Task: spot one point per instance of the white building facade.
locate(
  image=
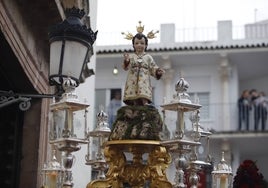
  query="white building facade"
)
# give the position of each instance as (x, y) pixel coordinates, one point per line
(217, 71)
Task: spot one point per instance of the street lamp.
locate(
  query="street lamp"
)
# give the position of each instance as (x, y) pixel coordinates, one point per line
(70, 48)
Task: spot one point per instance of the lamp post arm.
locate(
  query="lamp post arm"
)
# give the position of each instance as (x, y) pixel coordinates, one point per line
(9, 97)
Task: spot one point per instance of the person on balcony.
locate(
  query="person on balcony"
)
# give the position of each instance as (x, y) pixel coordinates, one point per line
(263, 103)
(255, 104)
(244, 108)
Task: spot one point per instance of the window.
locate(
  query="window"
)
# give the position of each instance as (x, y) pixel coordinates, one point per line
(103, 98)
(203, 98)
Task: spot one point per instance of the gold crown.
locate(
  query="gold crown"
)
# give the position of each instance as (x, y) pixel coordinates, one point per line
(140, 29)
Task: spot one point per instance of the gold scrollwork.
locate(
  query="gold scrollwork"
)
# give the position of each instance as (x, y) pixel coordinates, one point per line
(138, 171)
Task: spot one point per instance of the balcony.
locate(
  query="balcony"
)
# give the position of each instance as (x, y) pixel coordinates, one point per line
(224, 32)
(223, 118)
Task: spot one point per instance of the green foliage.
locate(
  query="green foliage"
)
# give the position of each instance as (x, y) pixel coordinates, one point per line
(137, 122)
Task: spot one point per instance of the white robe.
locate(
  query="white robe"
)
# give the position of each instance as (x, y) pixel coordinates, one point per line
(138, 83)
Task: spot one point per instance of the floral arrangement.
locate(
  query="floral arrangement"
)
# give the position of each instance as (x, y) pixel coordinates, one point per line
(248, 176)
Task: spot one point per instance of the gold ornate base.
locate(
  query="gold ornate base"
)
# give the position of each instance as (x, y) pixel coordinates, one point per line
(137, 171)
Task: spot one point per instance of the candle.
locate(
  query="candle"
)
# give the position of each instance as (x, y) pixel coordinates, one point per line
(52, 180)
(223, 181)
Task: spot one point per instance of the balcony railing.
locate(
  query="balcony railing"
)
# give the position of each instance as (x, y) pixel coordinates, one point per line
(220, 117)
(186, 35)
(196, 34)
(224, 117)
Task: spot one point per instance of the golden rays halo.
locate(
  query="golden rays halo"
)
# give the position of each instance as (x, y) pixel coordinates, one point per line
(140, 29)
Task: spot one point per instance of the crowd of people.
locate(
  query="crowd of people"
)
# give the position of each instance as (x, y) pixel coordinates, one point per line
(252, 104)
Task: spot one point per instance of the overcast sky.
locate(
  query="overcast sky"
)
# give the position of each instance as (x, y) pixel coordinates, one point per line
(123, 15)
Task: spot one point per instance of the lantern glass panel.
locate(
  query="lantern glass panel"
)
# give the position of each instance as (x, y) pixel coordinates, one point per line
(55, 54)
(74, 57)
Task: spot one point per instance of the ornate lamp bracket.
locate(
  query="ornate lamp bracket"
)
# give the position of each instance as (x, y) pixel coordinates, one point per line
(9, 97)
